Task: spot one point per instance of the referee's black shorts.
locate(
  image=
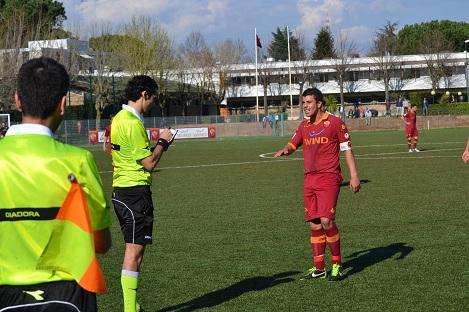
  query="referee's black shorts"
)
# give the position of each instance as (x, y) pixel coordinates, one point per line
(134, 209)
(61, 296)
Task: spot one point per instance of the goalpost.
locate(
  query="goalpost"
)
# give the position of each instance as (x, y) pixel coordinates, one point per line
(4, 124)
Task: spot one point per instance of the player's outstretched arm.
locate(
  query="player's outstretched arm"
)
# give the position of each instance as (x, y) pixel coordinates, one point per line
(465, 154)
(284, 151)
(351, 164)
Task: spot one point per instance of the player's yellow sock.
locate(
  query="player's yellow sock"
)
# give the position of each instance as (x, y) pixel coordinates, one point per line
(129, 281)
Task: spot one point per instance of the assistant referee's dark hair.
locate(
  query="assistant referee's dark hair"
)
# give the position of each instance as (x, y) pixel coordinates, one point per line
(316, 93)
(137, 85)
(42, 83)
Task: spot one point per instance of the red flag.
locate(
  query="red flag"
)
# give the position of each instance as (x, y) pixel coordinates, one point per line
(258, 42)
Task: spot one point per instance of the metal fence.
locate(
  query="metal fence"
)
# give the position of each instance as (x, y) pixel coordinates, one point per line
(76, 131)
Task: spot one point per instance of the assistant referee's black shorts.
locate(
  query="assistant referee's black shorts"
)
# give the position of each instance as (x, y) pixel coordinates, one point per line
(134, 209)
(62, 296)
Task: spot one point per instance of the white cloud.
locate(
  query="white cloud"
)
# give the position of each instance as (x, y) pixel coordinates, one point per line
(386, 6)
(314, 14)
(178, 16)
(117, 10)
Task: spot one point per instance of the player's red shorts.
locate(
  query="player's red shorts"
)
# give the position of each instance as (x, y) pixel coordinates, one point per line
(411, 132)
(320, 194)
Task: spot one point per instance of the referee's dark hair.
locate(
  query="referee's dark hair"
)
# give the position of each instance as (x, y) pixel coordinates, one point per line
(137, 85)
(316, 93)
(42, 83)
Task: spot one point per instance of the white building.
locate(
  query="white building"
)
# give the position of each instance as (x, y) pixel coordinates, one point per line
(409, 73)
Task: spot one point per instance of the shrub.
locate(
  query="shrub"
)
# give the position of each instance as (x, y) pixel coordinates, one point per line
(331, 103)
(461, 108)
(445, 99)
(415, 98)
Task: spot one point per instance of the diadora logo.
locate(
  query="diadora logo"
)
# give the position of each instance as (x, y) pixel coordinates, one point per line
(22, 214)
(38, 294)
(317, 140)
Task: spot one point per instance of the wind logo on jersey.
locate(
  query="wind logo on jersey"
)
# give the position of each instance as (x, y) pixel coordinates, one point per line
(316, 140)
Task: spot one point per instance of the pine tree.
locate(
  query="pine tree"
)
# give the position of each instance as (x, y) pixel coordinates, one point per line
(278, 48)
(323, 44)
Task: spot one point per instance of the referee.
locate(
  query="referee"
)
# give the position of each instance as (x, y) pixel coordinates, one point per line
(133, 160)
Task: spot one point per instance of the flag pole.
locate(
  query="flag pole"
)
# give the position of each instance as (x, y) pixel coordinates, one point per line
(289, 72)
(257, 79)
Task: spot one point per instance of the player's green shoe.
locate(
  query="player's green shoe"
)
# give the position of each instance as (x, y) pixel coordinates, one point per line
(337, 273)
(313, 273)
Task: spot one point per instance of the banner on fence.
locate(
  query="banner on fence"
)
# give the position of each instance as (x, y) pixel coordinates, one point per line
(195, 133)
(95, 137)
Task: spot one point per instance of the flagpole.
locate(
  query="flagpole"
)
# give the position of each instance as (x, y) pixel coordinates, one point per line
(257, 79)
(289, 72)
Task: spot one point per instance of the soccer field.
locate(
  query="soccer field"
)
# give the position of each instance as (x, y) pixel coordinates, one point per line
(229, 233)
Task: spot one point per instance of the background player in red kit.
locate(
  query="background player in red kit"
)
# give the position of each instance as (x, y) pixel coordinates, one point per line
(322, 136)
(411, 132)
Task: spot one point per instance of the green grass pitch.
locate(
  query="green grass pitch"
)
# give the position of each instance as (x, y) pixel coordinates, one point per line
(229, 233)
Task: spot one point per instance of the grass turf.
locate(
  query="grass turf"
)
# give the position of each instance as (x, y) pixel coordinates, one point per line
(229, 233)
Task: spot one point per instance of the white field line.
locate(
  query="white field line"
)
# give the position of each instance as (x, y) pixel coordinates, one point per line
(222, 164)
(373, 154)
(358, 156)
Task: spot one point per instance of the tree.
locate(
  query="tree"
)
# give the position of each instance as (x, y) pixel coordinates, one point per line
(145, 48)
(20, 22)
(436, 49)
(225, 54)
(105, 62)
(304, 73)
(40, 18)
(410, 36)
(278, 48)
(198, 56)
(323, 44)
(344, 50)
(383, 54)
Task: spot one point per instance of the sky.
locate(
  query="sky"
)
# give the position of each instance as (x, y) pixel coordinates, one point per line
(218, 20)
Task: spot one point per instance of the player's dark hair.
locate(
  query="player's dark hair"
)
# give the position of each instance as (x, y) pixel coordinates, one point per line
(137, 85)
(42, 83)
(316, 93)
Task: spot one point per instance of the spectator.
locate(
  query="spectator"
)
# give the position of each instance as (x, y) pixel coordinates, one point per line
(368, 116)
(399, 107)
(405, 104)
(425, 106)
(350, 113)
(3, 129)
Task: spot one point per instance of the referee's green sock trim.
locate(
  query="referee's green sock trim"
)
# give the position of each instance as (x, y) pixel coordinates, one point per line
(129, 281)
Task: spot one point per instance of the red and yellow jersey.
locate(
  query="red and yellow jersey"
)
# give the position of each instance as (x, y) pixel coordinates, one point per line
(410, 119)
(321, 141)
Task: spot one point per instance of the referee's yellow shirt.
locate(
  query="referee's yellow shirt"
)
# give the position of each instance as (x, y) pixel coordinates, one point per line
(34, 169)
(130, 145)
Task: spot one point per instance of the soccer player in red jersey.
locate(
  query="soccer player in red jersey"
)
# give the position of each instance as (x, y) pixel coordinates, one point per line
(323, 136)
(411, 132)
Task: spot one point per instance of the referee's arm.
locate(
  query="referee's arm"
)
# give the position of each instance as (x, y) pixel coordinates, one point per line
(150, 162)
